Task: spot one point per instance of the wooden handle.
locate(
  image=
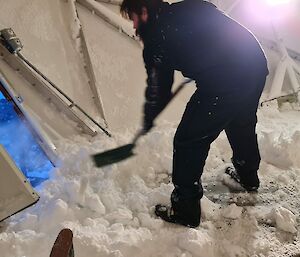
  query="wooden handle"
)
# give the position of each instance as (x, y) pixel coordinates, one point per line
(63, 245)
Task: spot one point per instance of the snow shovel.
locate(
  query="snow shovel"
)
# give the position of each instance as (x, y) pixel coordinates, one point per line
(123, 152)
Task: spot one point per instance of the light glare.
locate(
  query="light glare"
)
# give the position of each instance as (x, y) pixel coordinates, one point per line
(277, 2)
(263, 11)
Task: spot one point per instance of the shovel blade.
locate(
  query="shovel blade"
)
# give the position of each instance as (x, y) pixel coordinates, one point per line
(113, 156)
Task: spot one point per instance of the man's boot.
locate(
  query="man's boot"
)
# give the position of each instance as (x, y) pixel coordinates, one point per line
(185, 212)
(249, 183)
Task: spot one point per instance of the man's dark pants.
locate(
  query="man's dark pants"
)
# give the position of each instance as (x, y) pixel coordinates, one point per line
(206, 115)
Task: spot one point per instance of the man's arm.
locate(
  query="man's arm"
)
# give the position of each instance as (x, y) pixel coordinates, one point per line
(159, 83)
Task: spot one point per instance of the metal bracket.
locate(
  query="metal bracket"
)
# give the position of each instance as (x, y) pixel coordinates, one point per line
(10, 40)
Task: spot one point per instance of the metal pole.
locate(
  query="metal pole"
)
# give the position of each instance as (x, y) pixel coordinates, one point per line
(60, 91)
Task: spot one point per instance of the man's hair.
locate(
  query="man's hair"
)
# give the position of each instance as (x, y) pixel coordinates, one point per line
(129, 6)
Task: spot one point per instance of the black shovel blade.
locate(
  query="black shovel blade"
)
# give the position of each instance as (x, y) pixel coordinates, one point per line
(114, 155)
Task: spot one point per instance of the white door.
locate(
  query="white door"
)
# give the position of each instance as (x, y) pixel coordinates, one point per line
(16, 192)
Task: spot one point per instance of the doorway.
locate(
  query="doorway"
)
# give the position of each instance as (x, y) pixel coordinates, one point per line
(18, 139)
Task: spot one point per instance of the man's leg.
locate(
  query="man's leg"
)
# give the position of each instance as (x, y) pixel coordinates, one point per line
(241, 133)
(188, 163)
(204, 118)
(246, 158)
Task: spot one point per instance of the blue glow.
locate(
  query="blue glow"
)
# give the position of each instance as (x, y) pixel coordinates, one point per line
(18, 141)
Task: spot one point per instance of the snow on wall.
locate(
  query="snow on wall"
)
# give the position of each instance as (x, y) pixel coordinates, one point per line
(118, 68)
(48, 44)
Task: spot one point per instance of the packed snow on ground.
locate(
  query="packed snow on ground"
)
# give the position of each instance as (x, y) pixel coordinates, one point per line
(110, 209)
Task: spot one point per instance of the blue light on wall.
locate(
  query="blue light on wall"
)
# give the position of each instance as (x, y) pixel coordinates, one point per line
(19, 142)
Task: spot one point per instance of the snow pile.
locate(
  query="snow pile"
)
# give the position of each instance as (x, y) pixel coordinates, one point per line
(232, 212)
(280, 140)
(209, 209)
(198, 243)
(285, 219)
(110, 210)
(281, 152)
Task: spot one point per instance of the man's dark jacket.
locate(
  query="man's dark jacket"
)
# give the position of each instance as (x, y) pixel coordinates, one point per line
(196, 38)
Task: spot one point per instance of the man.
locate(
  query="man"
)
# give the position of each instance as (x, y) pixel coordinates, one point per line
(229, 68)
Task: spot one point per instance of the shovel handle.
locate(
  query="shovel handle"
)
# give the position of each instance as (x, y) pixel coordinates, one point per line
(176, 91)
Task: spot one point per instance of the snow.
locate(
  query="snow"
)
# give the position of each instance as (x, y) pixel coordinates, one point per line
(46, 29)
(285, 219)
(232, 211)
(111, 210)
(109, 15)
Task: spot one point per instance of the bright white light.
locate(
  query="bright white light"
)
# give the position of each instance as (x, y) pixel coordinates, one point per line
(263, 11)
(277, 2)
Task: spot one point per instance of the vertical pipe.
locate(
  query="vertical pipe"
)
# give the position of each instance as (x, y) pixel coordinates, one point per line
(278, 79)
